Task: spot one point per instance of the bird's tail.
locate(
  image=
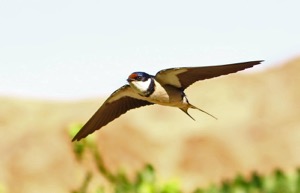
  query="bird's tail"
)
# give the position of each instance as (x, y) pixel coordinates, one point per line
(185, 110)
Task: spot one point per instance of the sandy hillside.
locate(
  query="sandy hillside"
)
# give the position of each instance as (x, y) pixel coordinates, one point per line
(258, 128)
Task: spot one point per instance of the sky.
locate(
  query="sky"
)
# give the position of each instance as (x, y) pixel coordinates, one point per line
(75, 49)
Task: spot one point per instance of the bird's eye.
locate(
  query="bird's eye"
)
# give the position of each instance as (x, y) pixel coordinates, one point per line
(139, 78)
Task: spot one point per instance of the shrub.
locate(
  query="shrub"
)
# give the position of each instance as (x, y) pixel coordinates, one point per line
(145, 181)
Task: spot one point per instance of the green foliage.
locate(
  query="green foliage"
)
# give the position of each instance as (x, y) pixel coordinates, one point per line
(3, 188)
(145, 181)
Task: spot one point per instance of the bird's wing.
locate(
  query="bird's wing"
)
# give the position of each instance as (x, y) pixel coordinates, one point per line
(185, 76)
(117, 104)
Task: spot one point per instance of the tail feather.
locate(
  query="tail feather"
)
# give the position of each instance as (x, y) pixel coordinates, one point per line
(193, 107)
(185, 110)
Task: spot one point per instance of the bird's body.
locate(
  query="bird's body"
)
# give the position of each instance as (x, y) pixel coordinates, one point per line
(163, 95)
(165, 88)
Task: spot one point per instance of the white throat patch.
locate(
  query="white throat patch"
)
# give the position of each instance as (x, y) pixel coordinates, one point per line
(140, 86)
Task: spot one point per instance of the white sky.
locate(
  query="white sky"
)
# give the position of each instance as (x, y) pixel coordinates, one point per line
(62, 49)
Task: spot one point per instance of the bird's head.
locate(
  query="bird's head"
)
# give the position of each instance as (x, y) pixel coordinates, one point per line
(141, 82)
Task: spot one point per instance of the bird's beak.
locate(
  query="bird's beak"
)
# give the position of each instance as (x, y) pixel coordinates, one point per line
(130, 80)
(132, 77)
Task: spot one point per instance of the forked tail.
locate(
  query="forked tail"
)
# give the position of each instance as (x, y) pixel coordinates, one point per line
(185, 110)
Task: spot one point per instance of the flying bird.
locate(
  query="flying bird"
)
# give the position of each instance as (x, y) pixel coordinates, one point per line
(165, 88)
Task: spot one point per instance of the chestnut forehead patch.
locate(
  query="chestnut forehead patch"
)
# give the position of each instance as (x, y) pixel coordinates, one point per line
(133, 75)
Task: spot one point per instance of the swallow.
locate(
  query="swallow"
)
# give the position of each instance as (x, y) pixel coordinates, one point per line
(165, 88)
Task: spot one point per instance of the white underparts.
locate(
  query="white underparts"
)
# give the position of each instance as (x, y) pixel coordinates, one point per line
(140, 86)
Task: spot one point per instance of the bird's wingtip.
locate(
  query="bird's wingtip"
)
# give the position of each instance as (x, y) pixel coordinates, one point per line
(258, 61)
(74, 139)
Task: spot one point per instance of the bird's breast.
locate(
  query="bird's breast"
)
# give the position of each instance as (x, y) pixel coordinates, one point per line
(166, 95)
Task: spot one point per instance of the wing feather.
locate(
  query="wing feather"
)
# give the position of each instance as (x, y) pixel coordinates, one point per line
(121, 101)
(184, 77)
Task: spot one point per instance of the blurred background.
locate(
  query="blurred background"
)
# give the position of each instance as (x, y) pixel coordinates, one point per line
(59, 60)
